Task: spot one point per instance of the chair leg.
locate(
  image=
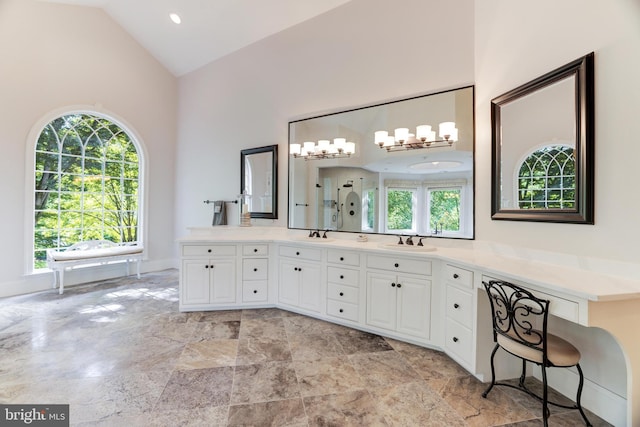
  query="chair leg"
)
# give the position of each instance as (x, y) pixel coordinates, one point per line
(523, 376)
(493, 373)
(545, 397)
(579, 396)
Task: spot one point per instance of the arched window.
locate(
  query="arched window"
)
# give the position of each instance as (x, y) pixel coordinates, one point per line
(547, 179)
(87, 180)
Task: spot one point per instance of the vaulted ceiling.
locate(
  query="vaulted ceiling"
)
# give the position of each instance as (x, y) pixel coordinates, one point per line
(209, 29)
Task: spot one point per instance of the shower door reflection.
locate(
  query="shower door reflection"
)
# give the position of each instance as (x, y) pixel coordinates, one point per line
(347, 199)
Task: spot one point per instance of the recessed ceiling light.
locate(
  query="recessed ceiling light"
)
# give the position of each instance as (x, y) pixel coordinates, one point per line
(175, 18)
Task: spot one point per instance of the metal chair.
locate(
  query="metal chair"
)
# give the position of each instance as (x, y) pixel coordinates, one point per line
(520, 328)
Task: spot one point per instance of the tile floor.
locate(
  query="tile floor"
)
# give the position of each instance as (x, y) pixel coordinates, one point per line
(121, 354)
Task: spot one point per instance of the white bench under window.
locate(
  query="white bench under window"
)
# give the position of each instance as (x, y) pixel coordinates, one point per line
(91, 252)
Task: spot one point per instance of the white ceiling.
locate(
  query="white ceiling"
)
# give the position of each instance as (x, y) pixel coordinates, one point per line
(209, 30)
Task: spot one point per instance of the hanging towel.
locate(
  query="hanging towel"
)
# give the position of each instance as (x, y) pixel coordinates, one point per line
(219, 213)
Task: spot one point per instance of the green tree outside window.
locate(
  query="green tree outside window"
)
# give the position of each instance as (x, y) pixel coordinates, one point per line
(86, 184)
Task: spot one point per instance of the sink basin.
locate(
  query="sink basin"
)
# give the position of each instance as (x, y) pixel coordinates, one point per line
(314, 239)
(407, 248)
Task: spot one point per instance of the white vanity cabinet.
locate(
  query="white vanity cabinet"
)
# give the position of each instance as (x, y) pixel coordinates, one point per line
(208, 275)
(300, 278)
(343, 285)
(255, 273)
(459, 339)
(399, 295)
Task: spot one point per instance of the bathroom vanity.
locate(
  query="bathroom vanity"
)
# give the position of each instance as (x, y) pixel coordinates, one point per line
(429, 296)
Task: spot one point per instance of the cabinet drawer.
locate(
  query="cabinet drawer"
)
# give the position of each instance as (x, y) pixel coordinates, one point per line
(248, 250)
(343, 276)
(301, 253)
(254, 291)
(459, 340)
(343, 293)
(399, 264)
(255, 269)
(208, 250)
(341, 257)
(459, 306)
(343, 310)
(458, 275)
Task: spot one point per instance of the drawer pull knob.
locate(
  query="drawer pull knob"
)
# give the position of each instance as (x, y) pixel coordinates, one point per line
(341, 310)
(397, 265)
(255, 291)
(341, 294)
(295, 268)
(209, 250)
(297, 253)
(456, 305)
(255, 250)
(341, 258)
(399, 285)
(342, 276)
(255, 269)
(393, 285)
(455, 339)
(455, 275)
(206, 266)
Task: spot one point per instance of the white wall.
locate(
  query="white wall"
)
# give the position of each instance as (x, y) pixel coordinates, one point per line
(516, 42)
(55, 56)
(364, 52)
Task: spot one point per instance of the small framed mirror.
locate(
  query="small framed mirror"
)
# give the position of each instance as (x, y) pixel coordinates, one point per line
(258, 180)
(543, 147)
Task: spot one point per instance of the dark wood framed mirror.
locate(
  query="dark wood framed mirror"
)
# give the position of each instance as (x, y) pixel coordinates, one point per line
(259, 180)
(543, 147)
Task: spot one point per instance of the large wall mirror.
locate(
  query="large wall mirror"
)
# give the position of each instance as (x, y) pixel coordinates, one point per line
(380, 169)
(258, 180)
(543, 147)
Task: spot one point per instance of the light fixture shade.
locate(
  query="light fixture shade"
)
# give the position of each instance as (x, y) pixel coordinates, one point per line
(294, 149)
(448, 131)
(339, 143)
(380, 137)
(332, 149)
(323, 145)
(423, 132)
(309, 147)
(350, 147)
(175, 18)
(401, 134)
(390, 142)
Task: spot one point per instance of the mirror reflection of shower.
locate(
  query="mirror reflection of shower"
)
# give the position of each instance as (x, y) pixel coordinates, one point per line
(341, 198)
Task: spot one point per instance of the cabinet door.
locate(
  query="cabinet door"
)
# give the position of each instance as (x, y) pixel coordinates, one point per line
(288, 291)
(414, 306)
(223, 281)
(309, 275)
(381, 300)
(195, 281)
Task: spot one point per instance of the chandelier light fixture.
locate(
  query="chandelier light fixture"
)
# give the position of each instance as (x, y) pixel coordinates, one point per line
(324, 149)
(402, 140)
